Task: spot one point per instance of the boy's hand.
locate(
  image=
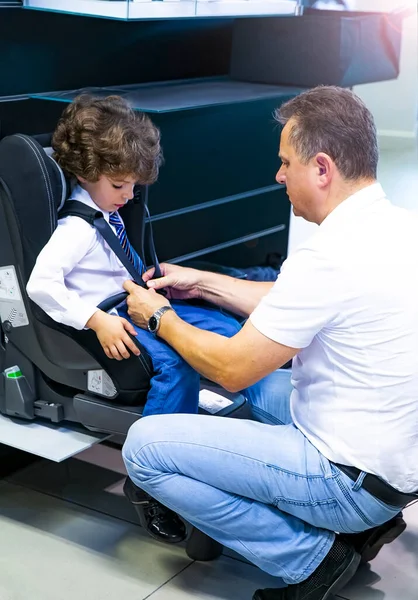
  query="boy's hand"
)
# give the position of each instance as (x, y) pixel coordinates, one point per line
(111, 332)
(142, 304)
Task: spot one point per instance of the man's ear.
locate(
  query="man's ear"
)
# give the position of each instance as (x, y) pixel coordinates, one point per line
(323, 164)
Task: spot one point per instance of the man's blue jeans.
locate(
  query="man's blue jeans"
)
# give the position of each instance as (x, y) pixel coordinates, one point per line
(260, 488)
(175, 385)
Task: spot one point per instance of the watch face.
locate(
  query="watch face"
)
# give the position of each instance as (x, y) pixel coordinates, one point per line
(152, 323)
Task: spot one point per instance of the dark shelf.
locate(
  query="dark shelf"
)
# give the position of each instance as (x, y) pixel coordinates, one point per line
(187, 94)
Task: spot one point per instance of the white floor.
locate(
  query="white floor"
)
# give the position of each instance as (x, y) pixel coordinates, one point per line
(54, 550)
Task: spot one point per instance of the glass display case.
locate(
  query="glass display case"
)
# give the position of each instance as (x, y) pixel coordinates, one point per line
(167, 9)
(180, 95)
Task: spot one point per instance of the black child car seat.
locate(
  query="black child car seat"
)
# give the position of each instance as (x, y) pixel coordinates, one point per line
(47, 369)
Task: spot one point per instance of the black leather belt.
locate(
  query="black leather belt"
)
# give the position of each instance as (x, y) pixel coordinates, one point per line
(379, 488)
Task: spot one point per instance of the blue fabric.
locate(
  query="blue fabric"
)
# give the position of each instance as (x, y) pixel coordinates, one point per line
(258, 487)
(261, 273)
(257, 273)
(116, 221)
(175, 385)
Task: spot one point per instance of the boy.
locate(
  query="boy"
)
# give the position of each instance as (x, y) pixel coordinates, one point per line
(107, 148)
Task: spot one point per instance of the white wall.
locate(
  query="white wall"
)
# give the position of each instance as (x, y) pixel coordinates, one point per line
(394, 104)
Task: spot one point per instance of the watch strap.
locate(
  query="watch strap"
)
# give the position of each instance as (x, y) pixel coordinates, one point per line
(157, 316)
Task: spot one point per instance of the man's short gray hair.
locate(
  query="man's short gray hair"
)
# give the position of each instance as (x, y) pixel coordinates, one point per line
(335, 121)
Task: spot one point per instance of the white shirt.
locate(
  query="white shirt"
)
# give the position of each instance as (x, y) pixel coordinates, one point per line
(76, 270)
(348, 297)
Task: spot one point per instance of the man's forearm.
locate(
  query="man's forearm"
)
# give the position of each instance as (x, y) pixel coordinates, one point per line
(237, 295)
(234, 363)
(205, 351)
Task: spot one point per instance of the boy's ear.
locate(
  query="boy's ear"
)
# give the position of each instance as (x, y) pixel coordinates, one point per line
(81, 179)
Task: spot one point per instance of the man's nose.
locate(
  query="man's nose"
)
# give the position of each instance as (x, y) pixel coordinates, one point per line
(281, 177)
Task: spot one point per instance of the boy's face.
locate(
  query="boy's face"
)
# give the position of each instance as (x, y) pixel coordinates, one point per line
(110, 193)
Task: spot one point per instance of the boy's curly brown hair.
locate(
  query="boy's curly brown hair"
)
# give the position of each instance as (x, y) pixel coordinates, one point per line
(104, 136)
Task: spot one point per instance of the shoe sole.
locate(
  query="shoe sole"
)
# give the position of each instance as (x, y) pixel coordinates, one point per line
(372, 549)
(344, 578)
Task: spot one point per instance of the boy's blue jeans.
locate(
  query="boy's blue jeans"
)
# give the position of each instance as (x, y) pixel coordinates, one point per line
(260, 488)
(175, 385)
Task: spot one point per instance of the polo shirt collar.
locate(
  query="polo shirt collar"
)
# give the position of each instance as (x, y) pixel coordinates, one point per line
(358, 201)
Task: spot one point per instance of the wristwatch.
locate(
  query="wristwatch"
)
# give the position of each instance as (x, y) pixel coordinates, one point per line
(154, 321)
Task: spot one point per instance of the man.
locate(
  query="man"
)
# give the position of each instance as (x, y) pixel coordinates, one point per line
(342, 454)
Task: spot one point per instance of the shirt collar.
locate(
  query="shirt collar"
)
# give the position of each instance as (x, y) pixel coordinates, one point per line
(83, 196)
(359, 201)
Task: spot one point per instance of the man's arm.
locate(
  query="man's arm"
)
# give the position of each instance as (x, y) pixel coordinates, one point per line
(234, 363)
(237, 295)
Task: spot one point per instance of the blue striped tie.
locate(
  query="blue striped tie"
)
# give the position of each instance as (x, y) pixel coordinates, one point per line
(116, 221)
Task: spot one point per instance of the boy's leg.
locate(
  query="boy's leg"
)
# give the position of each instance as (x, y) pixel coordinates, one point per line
(269, 398)
(174, 385)
(174, 388)
(207, 318)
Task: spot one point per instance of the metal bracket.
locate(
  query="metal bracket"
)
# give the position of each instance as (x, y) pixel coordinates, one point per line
(51, 411)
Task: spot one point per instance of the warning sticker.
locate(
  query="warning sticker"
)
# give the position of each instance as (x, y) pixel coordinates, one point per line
(12, 307)
(99, 382)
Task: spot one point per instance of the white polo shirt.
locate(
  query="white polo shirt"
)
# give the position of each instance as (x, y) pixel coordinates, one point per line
(348, 297)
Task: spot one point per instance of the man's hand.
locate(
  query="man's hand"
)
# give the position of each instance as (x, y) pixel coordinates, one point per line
(142, 304)
(181, 283)
(111, 332)
(236, 295)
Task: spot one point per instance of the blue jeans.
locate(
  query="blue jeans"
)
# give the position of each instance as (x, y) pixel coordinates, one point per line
(175, 385)
(260, 488)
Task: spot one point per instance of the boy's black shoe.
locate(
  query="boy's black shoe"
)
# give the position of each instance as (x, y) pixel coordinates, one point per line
(160, 522)
(335, 571)
(369, 543)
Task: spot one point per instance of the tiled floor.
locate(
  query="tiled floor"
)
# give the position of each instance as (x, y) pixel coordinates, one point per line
(55, 550)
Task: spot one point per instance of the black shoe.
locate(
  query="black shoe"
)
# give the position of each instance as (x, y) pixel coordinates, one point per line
(333, 573)
(369, 543)
(160, 522)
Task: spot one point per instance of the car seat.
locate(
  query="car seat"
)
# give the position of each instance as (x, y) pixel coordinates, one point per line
(50, 370)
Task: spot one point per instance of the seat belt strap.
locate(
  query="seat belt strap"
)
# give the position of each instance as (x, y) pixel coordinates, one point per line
(96, 219)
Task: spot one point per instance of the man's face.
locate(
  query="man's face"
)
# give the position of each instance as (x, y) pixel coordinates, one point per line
(299, 179)
(110, 194)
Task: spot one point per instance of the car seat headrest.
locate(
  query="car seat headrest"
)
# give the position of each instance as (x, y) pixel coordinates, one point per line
(66, 187)
(34, 187)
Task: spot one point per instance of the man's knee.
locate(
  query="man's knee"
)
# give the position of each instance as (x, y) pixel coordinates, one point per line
(149, 443)
(141, 434)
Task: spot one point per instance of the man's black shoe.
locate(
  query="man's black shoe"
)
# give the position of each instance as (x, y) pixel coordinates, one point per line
(335, 571)
(369, 543)
(160, 522)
